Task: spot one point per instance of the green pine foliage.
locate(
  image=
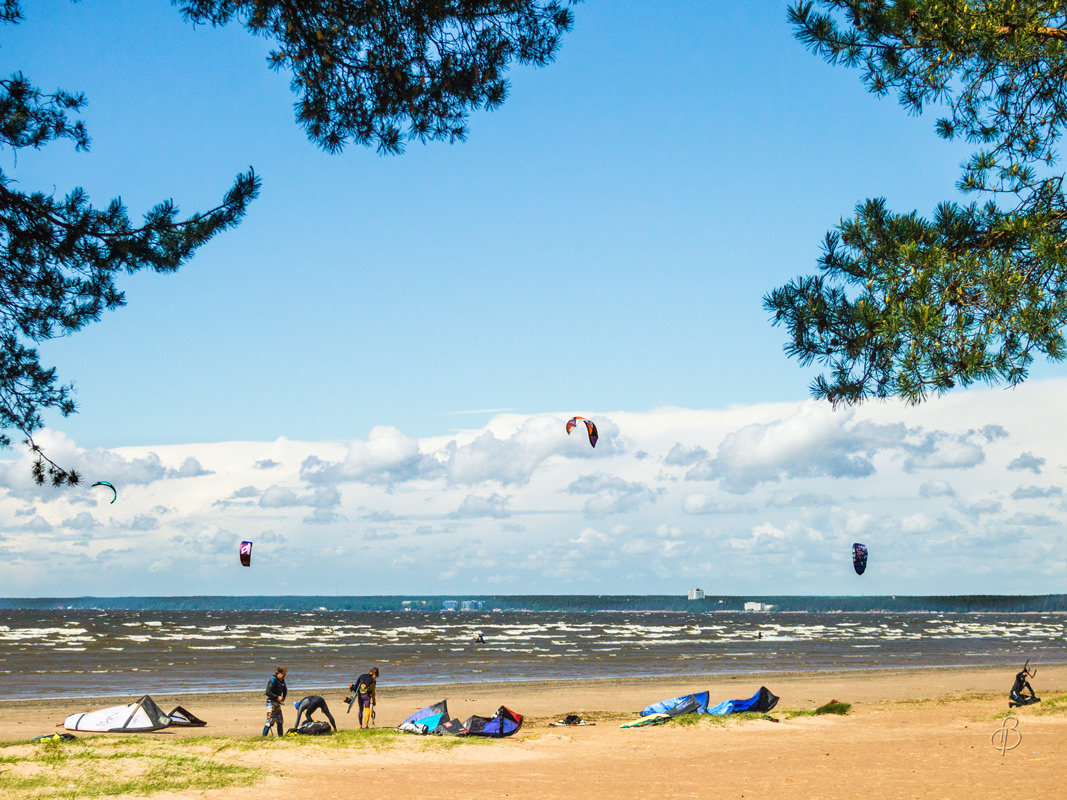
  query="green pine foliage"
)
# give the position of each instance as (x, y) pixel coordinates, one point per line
(384, 71)
(374, 72)
(905, 306)
(60, 257)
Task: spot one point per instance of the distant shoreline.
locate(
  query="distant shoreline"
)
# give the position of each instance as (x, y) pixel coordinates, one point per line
(486, 604)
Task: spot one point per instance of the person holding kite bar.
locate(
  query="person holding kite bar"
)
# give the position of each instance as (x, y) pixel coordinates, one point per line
(364, 691)
(1018, 695)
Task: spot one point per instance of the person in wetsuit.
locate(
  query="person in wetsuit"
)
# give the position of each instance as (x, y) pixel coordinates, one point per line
(1016, 696)
(313, 703)
(276, 691)
(365, 688)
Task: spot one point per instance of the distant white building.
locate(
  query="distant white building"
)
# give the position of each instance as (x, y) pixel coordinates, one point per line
(472, 605)
(696, 594)
(450, 605)
(758, 607)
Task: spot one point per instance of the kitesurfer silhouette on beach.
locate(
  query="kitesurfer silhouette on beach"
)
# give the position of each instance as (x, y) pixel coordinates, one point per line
(1016, 696)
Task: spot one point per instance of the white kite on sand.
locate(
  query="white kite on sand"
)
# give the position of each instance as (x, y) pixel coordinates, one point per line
(144, 715)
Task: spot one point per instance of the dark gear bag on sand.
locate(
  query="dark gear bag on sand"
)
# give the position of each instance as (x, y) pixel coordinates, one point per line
(314, 728)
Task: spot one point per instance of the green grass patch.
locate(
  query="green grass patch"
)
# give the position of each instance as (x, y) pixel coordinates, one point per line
(374, 738)
(348, 740)
(91, 769)
(1052, 705)
(107, 766)
(833, 707)
(1056, 704)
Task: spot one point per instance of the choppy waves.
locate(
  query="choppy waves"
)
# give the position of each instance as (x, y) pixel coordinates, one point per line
(79, 653)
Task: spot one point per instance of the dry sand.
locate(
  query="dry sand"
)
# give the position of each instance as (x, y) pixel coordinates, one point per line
(911, 734)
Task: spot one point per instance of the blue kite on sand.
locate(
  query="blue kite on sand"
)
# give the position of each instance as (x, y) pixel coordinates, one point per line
(676, 706)
(427, 720)
(435, 719)
(761, 702)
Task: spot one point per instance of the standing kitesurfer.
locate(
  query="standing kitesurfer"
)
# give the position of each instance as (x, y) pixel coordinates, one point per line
(365, 689)
(313, 703)
(275, 692)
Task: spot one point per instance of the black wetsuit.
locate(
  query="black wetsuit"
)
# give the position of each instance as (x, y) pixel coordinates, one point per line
(1016, 696)
(365, 693)
(313, 703)
(276, 691)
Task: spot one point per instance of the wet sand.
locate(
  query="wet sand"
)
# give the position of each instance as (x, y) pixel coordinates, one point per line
(910, 734)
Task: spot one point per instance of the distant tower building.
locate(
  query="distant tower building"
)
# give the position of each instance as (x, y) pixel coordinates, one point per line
(696, 594)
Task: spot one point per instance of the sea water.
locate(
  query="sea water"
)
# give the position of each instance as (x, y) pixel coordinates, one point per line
(79, 653)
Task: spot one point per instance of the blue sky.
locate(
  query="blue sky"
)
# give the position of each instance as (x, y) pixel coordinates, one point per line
(601, 245)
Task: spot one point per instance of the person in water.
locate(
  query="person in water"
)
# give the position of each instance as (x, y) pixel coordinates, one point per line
(275, 692)
(365, 688)
(1016, 696)
(313, 703)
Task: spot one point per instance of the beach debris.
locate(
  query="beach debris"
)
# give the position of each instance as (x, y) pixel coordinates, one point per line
(833, 707)
(54, 737)
(315, 727)
(143, 715)
(651, 719)
(859, 557)
(572, 423)
(114, 491)
(245, 554)
(570, 719)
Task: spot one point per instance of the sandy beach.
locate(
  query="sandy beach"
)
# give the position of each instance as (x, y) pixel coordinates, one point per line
(910, 734)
